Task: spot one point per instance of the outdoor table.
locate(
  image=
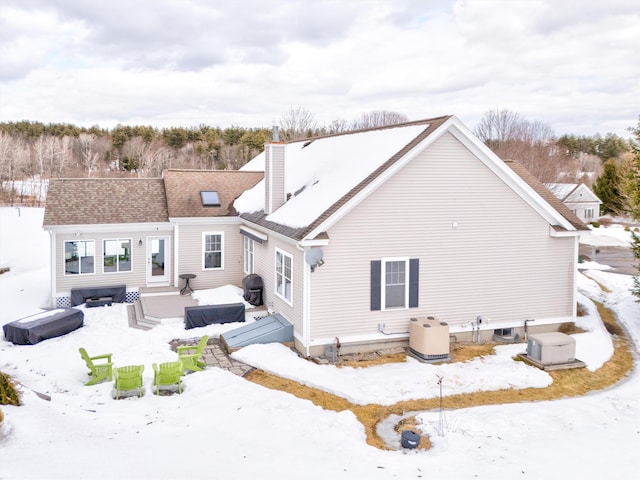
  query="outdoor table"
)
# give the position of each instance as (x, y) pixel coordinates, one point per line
(187, 290)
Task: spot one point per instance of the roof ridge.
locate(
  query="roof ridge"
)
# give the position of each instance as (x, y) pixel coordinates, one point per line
(425, 121)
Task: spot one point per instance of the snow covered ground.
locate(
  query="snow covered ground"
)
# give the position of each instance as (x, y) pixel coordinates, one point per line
(223, 426)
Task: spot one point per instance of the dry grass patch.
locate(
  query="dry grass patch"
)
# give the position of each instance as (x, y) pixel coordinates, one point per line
(462, 352)
(9, 394)
(566, 383)
(378, 360)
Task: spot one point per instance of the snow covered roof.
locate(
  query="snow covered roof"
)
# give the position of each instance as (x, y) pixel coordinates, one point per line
(323, 173)
(561, 190)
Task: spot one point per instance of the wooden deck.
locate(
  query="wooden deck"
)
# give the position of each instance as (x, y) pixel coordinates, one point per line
(165, 305)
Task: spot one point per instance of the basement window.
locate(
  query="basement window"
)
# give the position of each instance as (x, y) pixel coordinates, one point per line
(210, 199)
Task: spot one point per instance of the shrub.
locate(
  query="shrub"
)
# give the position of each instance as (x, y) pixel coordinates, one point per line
(581, 310)
(595, 224)
(9, 395)
(568, 328)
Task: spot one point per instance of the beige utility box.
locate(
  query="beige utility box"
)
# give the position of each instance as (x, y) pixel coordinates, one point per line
(551, 348)
(428, 338)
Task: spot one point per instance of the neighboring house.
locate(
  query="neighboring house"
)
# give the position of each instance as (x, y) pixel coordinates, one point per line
(352, 234)
(132, 231)
(578, 198)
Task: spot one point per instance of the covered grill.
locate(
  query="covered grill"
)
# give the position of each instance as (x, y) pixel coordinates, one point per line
(252, 286)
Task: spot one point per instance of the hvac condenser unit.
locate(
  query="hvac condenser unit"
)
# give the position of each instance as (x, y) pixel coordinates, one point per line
(428, 339)
(551, 348)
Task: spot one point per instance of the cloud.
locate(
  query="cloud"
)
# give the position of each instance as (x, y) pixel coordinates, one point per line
(171, 62)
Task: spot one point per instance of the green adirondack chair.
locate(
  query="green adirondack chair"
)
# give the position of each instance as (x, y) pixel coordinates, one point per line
(168, 374)
(191, 355)
(128, 378)
(100, 366)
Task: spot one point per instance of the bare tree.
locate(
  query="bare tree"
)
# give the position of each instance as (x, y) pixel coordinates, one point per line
(89, 157)
(144, 156)
(499, 126)
(297, 123)
(379, 118)
(338, 125)
(533, 144)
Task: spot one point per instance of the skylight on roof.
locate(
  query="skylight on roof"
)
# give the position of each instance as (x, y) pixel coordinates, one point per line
(210, 199)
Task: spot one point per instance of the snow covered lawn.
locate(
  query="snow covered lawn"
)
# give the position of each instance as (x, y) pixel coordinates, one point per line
(223, 426)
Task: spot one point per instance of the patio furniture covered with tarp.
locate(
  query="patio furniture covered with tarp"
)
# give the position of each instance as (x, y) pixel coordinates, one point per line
(43, 325)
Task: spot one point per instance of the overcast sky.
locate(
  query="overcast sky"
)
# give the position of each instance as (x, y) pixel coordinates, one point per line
(574, 65)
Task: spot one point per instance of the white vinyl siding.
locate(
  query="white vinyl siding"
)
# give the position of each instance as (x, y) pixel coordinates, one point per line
(133, 279)
(482, 250)
(190, 255)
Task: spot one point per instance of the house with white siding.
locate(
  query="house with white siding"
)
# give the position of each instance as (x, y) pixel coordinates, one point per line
(361, 232)
(352, 234)
(578, 198)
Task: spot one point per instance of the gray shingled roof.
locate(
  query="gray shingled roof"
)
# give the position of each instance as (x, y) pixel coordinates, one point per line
(544, 192)
(183, 189)
(88, 201)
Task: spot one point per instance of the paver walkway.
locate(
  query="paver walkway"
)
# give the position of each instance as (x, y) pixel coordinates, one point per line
(215, 355)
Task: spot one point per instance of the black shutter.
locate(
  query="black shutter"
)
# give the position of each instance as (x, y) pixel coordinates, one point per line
(414, 274)
(376, 284)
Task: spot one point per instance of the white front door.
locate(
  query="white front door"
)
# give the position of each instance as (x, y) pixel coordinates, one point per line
(158, 260)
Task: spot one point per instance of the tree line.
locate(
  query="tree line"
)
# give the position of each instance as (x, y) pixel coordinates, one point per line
(34, 150)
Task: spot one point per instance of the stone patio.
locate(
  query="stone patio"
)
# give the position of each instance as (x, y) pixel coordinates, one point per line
(215, 355)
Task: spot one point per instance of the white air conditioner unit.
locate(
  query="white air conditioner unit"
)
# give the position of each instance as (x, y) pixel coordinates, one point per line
(428, 339)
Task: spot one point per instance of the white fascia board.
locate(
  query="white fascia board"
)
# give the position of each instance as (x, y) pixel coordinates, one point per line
(567, 233)
(381, 179)
(317, 242)
(508, 176)
(205, 220)
(110, 227)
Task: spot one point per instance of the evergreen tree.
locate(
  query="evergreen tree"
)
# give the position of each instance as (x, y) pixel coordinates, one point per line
(607, 188)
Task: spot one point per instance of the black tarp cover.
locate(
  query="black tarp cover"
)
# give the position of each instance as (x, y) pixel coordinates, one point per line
(79, 295)
(203, 315)
(49, 324)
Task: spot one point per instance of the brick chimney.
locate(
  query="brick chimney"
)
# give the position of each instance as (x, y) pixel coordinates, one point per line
(274, 154)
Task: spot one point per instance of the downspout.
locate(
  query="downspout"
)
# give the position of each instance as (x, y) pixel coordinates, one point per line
(306, 305)
(176, 255)
(53, 264)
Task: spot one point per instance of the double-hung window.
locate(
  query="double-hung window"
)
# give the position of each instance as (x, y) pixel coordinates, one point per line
(79, 257)
(284, 278)
(212, 247)
(396, 280)
(116, 255)
(248, 244)
(394, 283)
